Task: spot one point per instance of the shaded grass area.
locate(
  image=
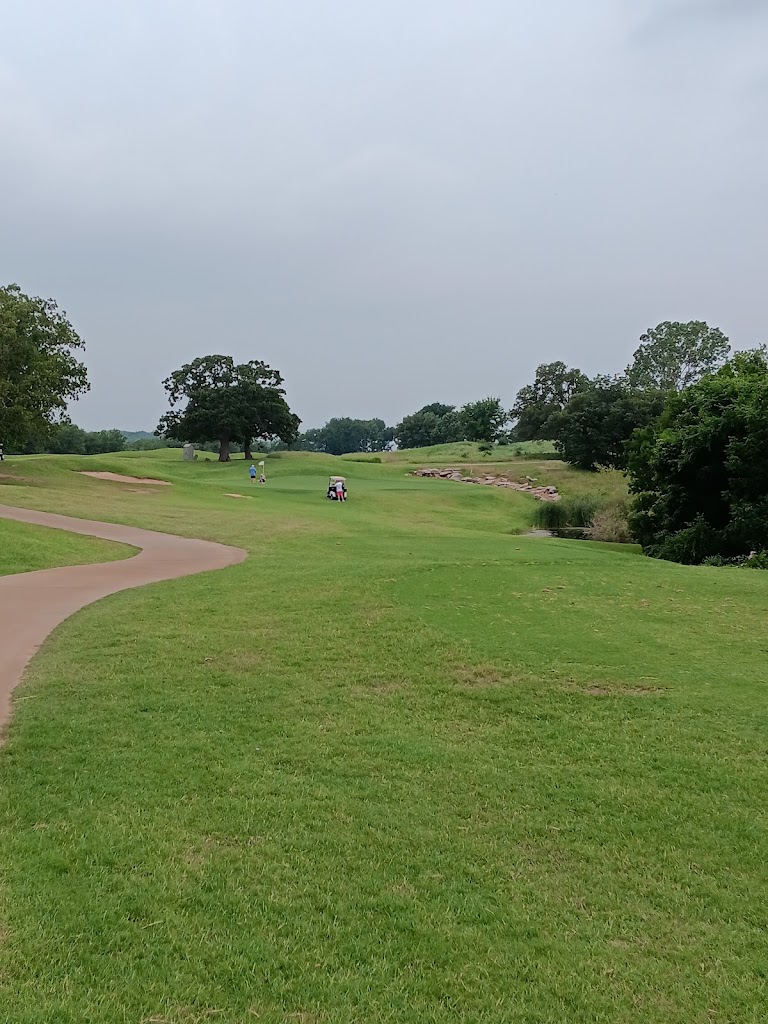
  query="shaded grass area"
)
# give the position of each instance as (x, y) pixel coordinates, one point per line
(400, 765)
(24, 548)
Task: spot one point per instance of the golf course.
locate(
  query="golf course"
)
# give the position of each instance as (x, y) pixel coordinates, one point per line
(402, 763)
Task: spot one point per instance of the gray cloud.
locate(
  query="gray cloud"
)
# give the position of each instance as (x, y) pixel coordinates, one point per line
(393, 202)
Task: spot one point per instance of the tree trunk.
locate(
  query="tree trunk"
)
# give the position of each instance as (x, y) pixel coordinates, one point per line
(248, 454)
(224, 449)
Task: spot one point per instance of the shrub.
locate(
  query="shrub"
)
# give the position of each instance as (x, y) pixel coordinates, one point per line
(756, 560)
(610, 524)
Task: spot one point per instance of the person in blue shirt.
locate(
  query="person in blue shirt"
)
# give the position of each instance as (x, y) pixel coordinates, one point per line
(252, 473)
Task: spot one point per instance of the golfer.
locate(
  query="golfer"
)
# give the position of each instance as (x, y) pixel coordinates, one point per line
(339, 490)
(252, 473)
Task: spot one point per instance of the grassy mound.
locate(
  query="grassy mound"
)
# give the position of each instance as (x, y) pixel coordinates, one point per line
(441, 454)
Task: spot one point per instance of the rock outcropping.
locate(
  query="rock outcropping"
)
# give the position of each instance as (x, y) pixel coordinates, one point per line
(529, 485)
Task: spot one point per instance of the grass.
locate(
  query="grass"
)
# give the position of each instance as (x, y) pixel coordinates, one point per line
(441, 454)
(24, 548)
(399, 765)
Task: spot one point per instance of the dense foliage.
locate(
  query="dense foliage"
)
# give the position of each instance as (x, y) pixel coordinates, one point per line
(483, 420)
(700, 473)
(538, 404)
(594, 427)
(343, 434)
(214, 398)
(39, 372)
(672, 356)
(432, 424)
(437, 423)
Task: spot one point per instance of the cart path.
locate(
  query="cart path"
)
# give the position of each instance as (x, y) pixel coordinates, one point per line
(32, 604)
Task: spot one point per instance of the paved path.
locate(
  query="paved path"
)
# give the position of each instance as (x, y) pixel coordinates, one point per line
(34, 603)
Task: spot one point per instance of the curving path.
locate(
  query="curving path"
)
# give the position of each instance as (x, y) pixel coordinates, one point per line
(34, 603)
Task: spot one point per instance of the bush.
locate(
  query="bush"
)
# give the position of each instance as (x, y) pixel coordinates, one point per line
(362, 458)
(756, 560)
(610, 524)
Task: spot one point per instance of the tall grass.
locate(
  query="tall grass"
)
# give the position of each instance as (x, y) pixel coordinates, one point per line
(577, 512)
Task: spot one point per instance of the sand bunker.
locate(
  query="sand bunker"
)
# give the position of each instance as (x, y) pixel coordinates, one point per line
(120, 479)
(237, 495)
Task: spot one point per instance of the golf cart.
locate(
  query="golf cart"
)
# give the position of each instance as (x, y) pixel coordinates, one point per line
(332, 487)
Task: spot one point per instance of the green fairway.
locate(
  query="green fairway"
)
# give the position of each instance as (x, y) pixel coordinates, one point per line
(403, 764)
(24, 548)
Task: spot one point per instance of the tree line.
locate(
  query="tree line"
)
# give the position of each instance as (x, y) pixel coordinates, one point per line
(437, 423)
(686, 420)
(590, 420)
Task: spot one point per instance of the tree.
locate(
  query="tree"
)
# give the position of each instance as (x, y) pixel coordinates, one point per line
(537, 404)
(594, 427)
(39, 373)
(214, 398)
(674, 356)
(66, 439)
(699, 474)
(342, 434)
(483, 420)
(99, 442)
(432, 424)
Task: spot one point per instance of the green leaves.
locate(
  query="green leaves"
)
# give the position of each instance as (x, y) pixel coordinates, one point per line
(227, 402)
(537, 404)
(594, 427)
(483, 420)
(38, 369)
(341, 435)
(700, 474)
(673, 356)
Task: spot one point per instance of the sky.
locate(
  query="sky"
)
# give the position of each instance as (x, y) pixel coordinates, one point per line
(394, 202)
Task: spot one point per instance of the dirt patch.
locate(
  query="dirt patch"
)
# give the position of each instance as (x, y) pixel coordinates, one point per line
(120, 479)
(140, 490)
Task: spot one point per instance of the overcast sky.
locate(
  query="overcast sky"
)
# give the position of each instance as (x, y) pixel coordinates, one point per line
(392, 201)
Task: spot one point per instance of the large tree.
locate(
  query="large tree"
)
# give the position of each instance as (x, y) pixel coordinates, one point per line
(432, 424)
(214, 398)
(538, 404)
(39, 373)
(672, 356)
(700, 473)
(483, 420)
(594, 427)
